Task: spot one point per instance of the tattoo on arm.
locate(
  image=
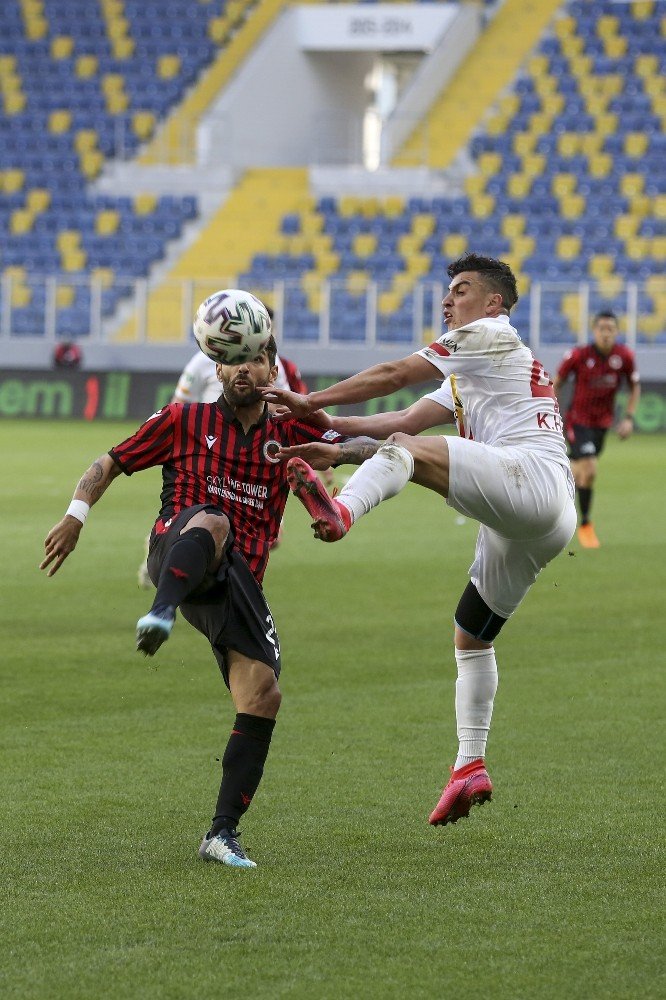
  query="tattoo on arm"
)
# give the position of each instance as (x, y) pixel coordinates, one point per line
(93, 482)
(357, 450)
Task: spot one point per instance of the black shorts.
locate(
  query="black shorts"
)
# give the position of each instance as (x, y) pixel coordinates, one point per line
(229, 608)
(585, 442)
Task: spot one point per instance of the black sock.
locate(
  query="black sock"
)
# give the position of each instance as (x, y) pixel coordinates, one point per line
(184, 567)
(584, 502)
(242, 768)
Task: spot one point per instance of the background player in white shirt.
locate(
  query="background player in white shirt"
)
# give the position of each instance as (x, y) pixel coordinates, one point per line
(508, 470)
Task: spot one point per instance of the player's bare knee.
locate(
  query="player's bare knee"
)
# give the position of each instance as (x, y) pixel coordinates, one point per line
(265, 700)
(217, 525)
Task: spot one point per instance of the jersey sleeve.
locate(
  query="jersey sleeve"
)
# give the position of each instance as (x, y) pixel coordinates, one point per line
(470, 348)
(151, 444)
(300, 432)
(630, 370)
(568, 364)
(190, 384)
(443, 395)
(294, 377)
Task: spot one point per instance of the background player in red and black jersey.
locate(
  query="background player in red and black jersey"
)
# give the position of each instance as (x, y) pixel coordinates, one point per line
(223, 495)
(598, 370)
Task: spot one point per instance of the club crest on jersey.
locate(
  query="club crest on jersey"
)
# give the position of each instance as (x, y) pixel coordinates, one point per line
(615, 361)
(271, 449)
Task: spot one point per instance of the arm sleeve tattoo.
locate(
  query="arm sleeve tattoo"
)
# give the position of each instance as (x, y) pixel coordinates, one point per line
(357, 450)
(93, 482)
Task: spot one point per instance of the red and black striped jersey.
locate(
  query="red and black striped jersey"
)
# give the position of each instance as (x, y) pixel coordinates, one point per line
(597, 379)
(207, 457)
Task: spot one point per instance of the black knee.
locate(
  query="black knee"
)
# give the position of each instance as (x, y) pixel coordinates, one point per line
(205, 541)
(474, 616)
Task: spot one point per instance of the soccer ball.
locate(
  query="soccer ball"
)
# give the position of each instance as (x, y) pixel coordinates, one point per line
(232, 326)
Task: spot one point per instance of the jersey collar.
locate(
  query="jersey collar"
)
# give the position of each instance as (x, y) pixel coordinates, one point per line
(227, 412)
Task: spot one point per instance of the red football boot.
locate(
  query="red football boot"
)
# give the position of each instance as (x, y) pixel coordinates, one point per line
(467, 787)
(331, 520)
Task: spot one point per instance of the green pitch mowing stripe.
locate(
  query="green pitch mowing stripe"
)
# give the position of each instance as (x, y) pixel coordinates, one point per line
(110, 763)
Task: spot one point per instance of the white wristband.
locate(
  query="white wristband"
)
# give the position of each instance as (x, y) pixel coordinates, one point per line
(78, 509)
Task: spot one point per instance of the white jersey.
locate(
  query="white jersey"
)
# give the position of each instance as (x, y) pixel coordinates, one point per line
(501, 395)
(199, 383)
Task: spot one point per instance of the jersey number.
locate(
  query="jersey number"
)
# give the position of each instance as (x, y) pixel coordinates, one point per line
(272, 636)
(541, 383)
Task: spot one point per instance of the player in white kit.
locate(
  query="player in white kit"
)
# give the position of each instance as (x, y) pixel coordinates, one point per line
(508, 469)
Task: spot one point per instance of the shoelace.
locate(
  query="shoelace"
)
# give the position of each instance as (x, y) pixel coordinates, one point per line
(230, 837)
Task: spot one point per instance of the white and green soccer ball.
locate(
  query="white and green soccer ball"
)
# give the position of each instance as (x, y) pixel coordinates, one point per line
(232, 326)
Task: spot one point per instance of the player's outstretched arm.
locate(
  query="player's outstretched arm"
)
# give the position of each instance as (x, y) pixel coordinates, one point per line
(420, 416)
(321, 455)
(63, 536)
(379, 380)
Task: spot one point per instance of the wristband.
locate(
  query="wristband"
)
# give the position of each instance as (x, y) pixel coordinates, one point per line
(78, 509)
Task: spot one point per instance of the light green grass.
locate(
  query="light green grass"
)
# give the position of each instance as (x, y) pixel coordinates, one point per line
(110, 767)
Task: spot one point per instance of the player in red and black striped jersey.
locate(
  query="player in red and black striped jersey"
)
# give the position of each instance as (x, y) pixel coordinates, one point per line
(223, 495)
(598, 370)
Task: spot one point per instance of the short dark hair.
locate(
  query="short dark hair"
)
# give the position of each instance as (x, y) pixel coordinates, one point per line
(271, 350)
(495, 274)
(604, 314)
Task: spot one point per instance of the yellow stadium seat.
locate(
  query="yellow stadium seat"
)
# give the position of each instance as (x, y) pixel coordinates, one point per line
(568, 247)
(541, 122)
(312, 223)
(635, 144)
(62, 47)
(611, 286)
(563, 184)
(590, 143)
(64, 296)
(646, 65)
(408, 244)
(369, 208)
(218, 29)
(512, 225)
(475, 184)
(642, 9)
(21, 221)
(328, 263)
(497, 125)
(418, 264)
(364, 244)
(123, 48)
(573, 45)
(454, 245)
(607, 26)
(21, 296)
(36, 28)
(145, 204)
(85, 139)
(7, 65)
(103, 276)
(143, 124)
(321, 243)
(600, 165)
(297, 245)
(13, 181)
(632, 184)
(545, 85)
(60, 122)
(489, 163)
(14, 103)
(509, 105)
(394, 206)
(357, 282)
(615, 48)
(38, 200)
(113, 83)
(91, 163)
(640, 205)
(600, 265)
(568, 143)
(168, 67)
(537, 65)
(74, 260)
(68, 239)
(388, 303)
(348, 206)
(637, 248)
(565, 26)
(522, 247)
(118, 28)
(607, 123)
(659, 206)
(658, 250)
(572, 206)
(117, 103)
(626, 226)
(235, 10)
(580, 65)
(534, 164)
(107, 222)
(596, 104)
(482, 206)
(86, 67)
(553, 104)
(524, 143)
(423, 224)
(519, 185)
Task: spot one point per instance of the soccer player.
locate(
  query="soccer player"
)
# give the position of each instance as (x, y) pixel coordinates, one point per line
(598, 370)
(198, 383)
(508, 469)
(223, 496)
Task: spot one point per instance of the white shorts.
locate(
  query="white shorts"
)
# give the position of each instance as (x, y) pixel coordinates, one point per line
(525, 504)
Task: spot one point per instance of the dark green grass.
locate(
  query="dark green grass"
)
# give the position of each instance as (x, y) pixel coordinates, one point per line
(110, 762)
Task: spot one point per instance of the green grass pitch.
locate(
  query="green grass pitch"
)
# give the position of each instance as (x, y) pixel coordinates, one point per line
(110, 762)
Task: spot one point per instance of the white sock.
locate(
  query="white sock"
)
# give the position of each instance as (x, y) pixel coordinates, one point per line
(475, 692)
(379, 478)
